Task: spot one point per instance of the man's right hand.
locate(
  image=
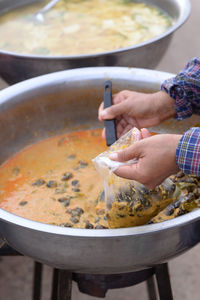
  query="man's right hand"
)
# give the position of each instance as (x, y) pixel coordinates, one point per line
(156, 159)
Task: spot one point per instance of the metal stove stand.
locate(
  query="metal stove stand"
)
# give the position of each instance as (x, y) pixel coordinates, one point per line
(98, 285)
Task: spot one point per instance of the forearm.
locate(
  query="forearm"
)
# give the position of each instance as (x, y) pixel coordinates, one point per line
(185, 90)
(188, 152)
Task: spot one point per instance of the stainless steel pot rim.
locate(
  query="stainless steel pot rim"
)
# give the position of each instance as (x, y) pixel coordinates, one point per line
(104, 73)
(181, 20)
(80, 75)
(100, 233)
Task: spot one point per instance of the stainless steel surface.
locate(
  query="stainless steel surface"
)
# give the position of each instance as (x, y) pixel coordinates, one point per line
(15, 67)
(39, 16)
(56, 103)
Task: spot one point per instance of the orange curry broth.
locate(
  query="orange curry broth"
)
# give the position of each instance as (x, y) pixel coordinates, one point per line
(49, 160)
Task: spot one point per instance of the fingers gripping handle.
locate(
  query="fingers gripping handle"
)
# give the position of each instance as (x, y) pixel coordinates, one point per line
(111, 135)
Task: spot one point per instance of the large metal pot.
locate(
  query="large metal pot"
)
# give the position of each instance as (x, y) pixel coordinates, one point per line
(15, 67)
(59, 102)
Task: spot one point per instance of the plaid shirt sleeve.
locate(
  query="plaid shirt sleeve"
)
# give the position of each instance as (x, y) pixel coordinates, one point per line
(185, 89)
(188, 152)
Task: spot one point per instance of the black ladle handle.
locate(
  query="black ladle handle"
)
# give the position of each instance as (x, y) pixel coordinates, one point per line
(111, 135)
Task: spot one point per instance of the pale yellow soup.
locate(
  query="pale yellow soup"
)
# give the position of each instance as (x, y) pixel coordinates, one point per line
(74, 27)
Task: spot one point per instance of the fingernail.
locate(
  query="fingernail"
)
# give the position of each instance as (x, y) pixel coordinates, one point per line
(113, 156)
(103, 113)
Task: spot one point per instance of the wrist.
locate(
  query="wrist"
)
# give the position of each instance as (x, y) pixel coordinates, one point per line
(164, 106)
(174, 140)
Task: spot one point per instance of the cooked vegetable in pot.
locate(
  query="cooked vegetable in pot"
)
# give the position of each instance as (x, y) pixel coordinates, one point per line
(76, 27)
(188, 201)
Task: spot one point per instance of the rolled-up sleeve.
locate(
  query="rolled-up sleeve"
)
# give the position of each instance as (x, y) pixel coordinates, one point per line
(185, 89)
(188, 152)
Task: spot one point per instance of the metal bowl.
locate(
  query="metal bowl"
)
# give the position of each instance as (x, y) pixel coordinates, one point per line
(15, 67)
(56, 103)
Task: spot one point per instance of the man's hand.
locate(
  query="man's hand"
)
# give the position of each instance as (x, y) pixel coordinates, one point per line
(156, 157)
(138, 109)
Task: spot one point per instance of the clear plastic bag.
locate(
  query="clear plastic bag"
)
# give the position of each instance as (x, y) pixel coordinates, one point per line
(128, 202)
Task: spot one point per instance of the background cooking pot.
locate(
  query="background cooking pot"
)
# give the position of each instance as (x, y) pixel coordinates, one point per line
(15, 67)
(60, 102)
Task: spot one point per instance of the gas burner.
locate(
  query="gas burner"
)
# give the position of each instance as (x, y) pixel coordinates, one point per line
(98, 285)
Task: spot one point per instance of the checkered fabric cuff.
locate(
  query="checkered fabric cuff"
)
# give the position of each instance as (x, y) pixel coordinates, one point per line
(183, 107)
(188, 152)
(185, 89)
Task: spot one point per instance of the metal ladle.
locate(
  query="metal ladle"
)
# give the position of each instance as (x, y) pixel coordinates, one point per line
(39, 16)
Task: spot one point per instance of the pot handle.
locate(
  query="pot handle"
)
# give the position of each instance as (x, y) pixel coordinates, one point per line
(111, 135)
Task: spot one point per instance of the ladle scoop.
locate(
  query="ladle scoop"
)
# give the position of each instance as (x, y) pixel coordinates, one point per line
(39, 16)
